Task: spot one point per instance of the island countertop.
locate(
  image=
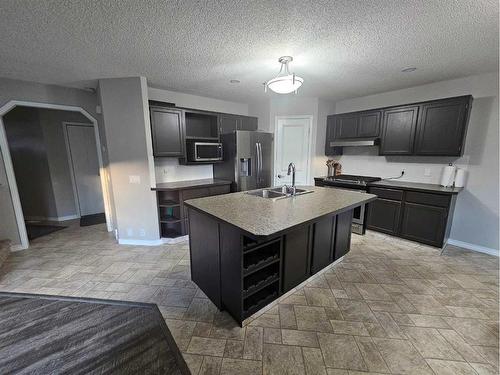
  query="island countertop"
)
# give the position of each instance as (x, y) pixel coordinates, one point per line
(262, 217)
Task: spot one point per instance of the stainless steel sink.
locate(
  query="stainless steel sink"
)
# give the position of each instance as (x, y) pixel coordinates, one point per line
(278, 193)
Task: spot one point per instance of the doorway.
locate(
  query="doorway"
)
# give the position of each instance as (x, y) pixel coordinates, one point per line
(84, 168)
(22, 241)
(292, 136)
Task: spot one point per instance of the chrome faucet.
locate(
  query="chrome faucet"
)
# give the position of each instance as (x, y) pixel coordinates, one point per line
(291, 169)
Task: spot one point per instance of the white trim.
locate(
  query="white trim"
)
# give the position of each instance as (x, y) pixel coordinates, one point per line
(15, 248)
(9, 168)
(52, 218)
(161, 241)
(473, 247)
(310, 151)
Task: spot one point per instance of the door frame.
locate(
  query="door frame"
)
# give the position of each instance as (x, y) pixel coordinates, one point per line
(9, 168)
(309, 142)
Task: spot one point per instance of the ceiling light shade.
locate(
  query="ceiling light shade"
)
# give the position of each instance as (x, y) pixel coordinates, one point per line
(285, 82)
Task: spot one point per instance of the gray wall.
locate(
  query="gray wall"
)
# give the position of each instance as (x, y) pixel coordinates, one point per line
(124, 105)
(476, 219)
(51, 94)
(41, 165)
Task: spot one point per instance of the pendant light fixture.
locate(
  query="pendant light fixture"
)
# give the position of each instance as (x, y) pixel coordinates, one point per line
(285, 82)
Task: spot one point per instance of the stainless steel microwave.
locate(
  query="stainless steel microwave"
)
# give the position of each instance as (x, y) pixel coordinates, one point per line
(204, 151)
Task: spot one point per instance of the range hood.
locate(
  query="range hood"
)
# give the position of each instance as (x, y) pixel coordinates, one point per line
(355, 142)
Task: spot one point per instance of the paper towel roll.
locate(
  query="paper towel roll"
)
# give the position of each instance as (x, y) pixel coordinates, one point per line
(448, 175)
(460, 178)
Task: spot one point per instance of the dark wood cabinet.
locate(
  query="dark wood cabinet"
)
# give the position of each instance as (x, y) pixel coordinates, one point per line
(420, 216)
(369, 124)
(322, 248)
(424, 223)
(342, 241)
(346, 126)
(384, 215)
(432, 128)
(167, 128)
(398, 130)
(230, 123)
(442, 126)
(296, 257)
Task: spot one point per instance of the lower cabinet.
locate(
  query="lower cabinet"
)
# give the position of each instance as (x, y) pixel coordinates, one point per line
(296, 258)
(342, 238)
(384, 215)
(323, 235)
(424, 217)
(424, 223)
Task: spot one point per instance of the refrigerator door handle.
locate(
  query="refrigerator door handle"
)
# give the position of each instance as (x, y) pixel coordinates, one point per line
(260, 160)
(257, 164)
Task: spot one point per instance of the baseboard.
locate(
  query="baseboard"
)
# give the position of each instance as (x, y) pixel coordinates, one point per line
(170, 241)
(51, 218)
(161, 241)
(473, 247)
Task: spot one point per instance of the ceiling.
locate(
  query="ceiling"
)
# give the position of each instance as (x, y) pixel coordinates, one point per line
(342, 49)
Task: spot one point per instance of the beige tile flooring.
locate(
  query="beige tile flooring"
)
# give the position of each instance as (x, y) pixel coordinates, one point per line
(389, 307)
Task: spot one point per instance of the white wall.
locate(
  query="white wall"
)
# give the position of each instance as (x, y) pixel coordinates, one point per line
(124, 106)
(169, 169)
(476, 219)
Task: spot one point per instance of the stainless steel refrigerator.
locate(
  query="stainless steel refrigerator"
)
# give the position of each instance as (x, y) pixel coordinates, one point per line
(248, 160)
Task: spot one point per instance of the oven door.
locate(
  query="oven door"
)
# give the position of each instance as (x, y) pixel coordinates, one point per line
(207, 151)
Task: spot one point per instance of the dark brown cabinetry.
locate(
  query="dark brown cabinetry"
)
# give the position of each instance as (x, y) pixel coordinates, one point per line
(243, 274)
(167, 128)
(296, 257)
(323, 243)
(442, 126)
(230, 123)
(436, 127)
(415, 215)
(398, 131)
(172, 213)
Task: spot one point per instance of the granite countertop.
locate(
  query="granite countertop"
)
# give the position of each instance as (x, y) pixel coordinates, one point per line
(264, 217)
(416, 186)
(179, 185)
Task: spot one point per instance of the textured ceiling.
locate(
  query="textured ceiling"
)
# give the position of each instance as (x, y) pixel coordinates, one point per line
(342, 48)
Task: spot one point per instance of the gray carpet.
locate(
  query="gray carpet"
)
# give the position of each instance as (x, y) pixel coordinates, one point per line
(63, 335)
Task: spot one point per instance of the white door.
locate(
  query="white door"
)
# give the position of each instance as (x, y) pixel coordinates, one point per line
(85, 164)
(292, 145)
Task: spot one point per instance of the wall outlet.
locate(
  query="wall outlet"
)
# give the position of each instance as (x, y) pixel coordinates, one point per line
(130, 232)
(427, 172)
(142, 232)
(134, 179)
(98, 109)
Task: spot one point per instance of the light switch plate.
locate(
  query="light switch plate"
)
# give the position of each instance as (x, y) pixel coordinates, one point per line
(134, 179)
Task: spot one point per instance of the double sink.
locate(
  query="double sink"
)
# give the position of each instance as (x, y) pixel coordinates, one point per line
(279, 192)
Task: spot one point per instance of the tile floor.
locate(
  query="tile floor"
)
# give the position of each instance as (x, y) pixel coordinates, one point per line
(390, 306)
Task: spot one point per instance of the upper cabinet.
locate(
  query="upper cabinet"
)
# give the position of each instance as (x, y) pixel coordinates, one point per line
(433, 128)
(398, 131)
(167, 128)
(230, 123)
(442, 126)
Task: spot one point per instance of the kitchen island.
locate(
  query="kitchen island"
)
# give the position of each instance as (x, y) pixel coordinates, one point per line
(247, 250)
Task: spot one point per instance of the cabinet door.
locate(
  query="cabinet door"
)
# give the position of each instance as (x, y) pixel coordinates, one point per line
(384, 215)
(229, 124)
(442, 127)
(424, 223)
(167, 128)
(346, 126)
(330, 136)
(343, 234)
(398, 131)
(369, 124)
(322, 248)
(296, 258)
(248, 123)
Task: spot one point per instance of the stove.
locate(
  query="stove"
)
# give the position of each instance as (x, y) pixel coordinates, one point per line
(348, 179)
(350, 182)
